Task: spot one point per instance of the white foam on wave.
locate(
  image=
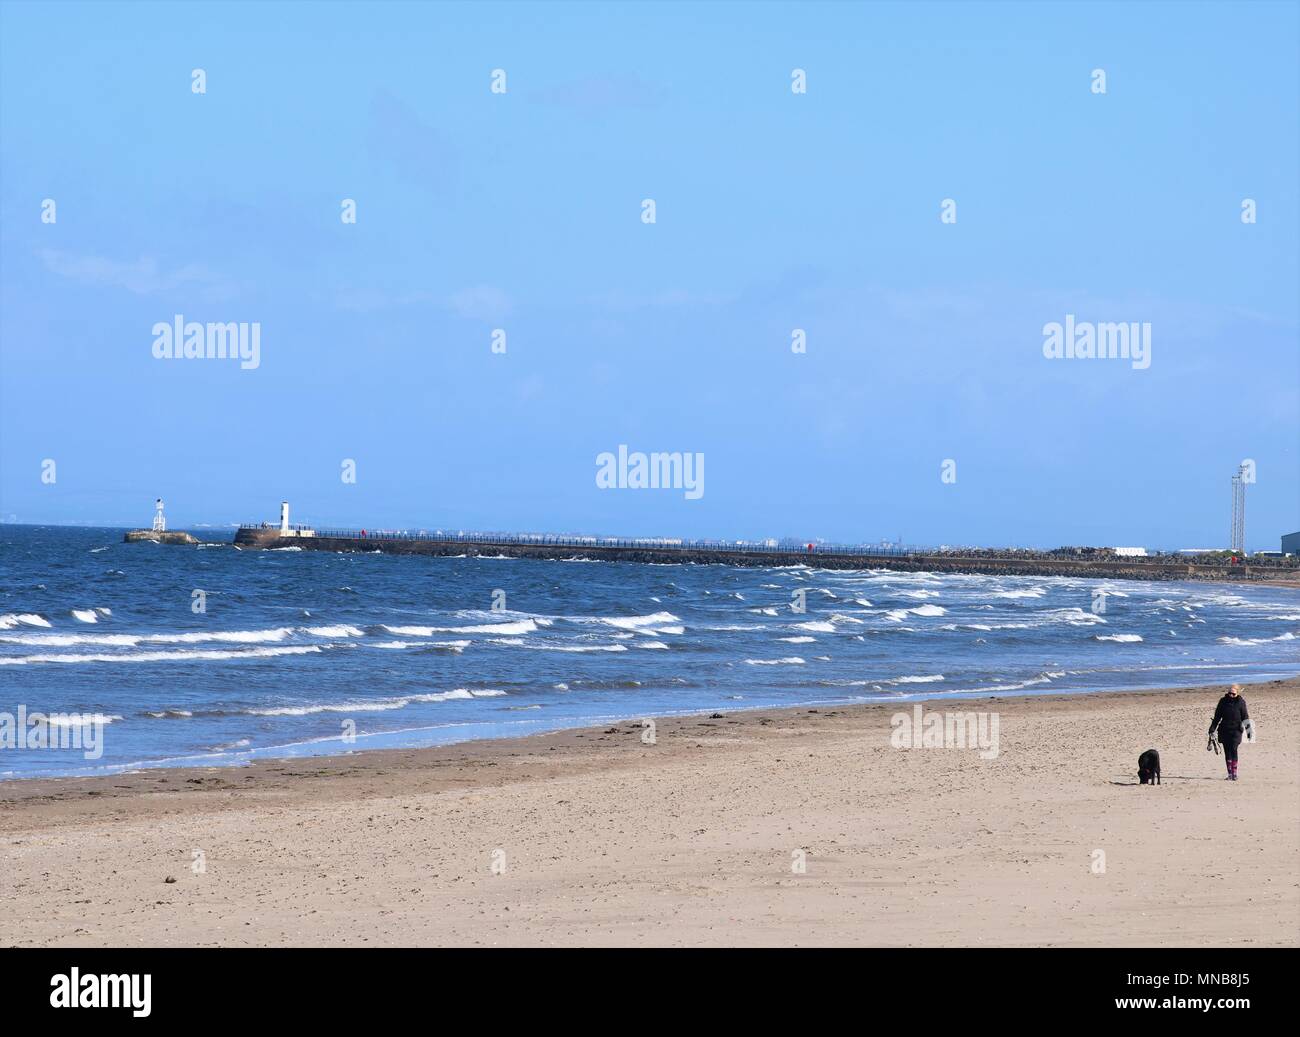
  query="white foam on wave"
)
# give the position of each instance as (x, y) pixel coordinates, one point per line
(926, 679)
(30, 619)
(79, 719)
(333, 631)
(453, 646)
(1243, 642)
(66, 640)
(898, 615)
(985, 627)
(374, 705)
(164, 657)
(1075, 617)
(1122, 638)
(191, 637)
(85, 615)
(1033, 592)
(233, 636)
(792, 660)
(576, 648)
(798, 640)
(819, 626)
(523, 626)
(999, 687)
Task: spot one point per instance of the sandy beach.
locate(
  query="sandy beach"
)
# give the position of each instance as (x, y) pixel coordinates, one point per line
(794, 827)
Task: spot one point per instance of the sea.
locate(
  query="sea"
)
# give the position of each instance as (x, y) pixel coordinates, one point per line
(212, 655)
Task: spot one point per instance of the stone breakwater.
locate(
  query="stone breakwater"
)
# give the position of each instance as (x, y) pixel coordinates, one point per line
(170, 536)
(985, 564)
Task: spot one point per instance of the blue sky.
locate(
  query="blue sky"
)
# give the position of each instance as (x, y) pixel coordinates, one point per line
(774, 211)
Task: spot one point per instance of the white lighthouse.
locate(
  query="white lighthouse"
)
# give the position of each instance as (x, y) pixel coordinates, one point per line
(159, 523)
(285, 531)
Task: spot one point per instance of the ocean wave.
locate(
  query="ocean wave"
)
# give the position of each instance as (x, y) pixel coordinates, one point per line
(997, 687)
(30, 619)
(635, 622)
(85, 615)
(452, 646)
(193, 637)
(1075, 617)
(576, 648)
(524, 626)
(929, 679)
(230, 636)
(333, 631)
(798, 640)
(374, 705)
(929, 610)
(792, 660)
(1122, 638)
(66, 640)
(898, 615)
(1251, 641)
(79, 719)
(986, 627)
(163, 657)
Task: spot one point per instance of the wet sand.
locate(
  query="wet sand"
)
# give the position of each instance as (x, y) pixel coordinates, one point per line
(593, 837)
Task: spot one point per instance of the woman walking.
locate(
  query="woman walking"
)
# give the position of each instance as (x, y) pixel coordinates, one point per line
(1231, 718)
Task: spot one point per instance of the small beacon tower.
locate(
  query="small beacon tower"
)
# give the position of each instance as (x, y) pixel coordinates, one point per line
(159, 523)
(285, 531)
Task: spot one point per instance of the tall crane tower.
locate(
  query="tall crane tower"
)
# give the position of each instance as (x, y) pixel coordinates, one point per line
(1239, 510)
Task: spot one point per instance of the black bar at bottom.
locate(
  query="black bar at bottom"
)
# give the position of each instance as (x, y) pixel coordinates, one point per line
(338, 986)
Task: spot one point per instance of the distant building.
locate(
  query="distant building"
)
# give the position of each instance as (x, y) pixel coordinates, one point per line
(1291, 544)
(1131, 552)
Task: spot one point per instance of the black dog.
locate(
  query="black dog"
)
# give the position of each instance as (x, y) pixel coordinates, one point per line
(1149, 768)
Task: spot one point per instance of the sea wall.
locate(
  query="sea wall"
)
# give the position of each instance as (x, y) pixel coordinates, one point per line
(1127, 569)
